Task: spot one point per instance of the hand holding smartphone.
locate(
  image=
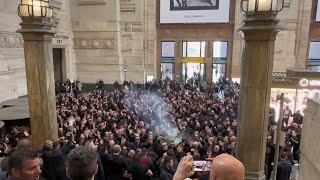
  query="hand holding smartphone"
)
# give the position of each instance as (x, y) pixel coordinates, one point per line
(201, 166)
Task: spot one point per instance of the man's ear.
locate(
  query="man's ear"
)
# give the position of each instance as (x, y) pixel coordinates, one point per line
(15, 172)
(96, 169)
(68, 172)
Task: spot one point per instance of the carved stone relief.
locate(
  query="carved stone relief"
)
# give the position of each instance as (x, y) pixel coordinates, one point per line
(12, 40)
(56, 4)
(55, 18)
(91, 2)
(286, 3)
(93, 44)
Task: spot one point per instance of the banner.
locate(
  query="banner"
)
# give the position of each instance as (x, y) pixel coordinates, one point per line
(193, 60)
(194, 11)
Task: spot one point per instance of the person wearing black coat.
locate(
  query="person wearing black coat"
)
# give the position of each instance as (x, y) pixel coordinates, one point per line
(115, 164)
(166, 171)
(284, 167)
(54, 163)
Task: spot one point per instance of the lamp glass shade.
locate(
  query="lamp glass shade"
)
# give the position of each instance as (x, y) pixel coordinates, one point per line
(35, 8)
(252, 5)
(261, 5)
(264, 5)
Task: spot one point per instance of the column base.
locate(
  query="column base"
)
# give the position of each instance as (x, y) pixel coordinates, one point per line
(255, 175)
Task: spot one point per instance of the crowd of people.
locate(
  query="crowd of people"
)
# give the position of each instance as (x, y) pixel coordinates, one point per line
(143, 131)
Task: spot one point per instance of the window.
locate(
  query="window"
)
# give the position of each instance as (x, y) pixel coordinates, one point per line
(318, 11)
(220, 49)
(220, 53)
(167, 60)
(168, 50)
(194, 49)
(314, 56)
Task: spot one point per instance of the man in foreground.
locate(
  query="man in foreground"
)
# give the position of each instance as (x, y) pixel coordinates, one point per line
(24, 165)
(224, 167)
(82, 163)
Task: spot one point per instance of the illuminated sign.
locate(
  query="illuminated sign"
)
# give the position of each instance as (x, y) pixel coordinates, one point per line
(193, 60)
(309, 83)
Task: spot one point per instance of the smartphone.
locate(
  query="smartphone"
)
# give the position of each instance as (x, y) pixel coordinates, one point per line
(202, 166)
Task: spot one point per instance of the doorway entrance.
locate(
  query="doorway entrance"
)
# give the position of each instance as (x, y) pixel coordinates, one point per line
(57, 63)
(219, 71)
(193, 73)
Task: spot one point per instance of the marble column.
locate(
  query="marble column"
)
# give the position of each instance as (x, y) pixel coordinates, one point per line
(37, 37)
(259, 33)
(208, 61)
(178, 61)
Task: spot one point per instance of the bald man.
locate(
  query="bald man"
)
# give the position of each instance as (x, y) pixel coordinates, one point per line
(224, 167)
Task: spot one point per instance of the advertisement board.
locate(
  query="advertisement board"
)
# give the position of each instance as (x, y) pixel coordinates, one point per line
(318, 11)
(194, 11)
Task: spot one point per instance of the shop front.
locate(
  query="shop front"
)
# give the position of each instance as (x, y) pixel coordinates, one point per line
(297, 90)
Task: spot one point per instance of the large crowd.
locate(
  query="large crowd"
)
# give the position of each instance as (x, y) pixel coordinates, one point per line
(142, 131)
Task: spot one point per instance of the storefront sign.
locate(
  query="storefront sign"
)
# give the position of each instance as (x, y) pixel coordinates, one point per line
(193, 60)
(309, 83)
(219, 60)
(60, 39)
(167, 59)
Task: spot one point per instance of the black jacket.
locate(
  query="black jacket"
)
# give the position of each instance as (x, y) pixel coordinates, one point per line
(166, 174)
(54, 165)
(284, 170)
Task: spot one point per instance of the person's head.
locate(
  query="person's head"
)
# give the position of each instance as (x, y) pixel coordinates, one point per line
(90, 144)
(124, 150)
(216, 148)
(24, 165)
(168, 162)
(226, 167)
(116, 150)
(48, 144)
(56, 145)
(131, 153)
(284, 156)
(137, 140)
(24, 144)
(144, 152)
(82, 163)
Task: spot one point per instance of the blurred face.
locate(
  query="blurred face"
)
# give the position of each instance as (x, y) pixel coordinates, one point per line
(124, 150)
(172, 144)
(48, 144)
(30, 171)
(171, 163)
(216, 148)
(137, 140)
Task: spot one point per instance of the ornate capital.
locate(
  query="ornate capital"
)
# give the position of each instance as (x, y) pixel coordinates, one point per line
(11, 40)
(56, 4)
(93, 44)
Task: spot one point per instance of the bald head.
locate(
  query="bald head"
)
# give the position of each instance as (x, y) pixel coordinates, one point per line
(226, 167)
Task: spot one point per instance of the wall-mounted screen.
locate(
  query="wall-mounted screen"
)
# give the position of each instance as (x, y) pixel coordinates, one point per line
(194, 11)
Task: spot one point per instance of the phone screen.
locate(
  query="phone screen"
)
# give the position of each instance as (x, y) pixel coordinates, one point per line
(202, 166)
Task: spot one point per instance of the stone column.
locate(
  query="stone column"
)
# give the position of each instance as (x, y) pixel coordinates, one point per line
(37, 37)
(178, 61)
(208, 62)
(259, 33)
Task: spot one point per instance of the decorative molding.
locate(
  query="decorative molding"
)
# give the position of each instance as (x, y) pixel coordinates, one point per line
(56, 4)
(91, 2)
(127, 7)
(11, 40)
(55, 18)
(286, 3)
(93, 44)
